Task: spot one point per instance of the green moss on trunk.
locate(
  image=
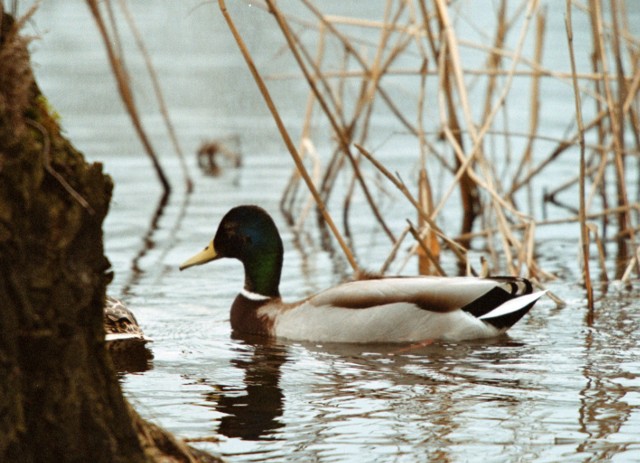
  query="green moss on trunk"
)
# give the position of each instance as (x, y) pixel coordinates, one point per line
(60, 399)
(59, 396)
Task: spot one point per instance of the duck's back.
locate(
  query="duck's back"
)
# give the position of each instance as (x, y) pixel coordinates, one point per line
(407, 309)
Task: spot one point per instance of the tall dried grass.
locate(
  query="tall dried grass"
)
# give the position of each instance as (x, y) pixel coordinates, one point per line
(105, 16)
(353, 67)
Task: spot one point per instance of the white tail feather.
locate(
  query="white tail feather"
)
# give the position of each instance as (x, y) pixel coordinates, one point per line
(513, 305)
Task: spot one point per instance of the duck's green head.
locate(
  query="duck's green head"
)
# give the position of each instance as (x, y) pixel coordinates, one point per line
(247, 233)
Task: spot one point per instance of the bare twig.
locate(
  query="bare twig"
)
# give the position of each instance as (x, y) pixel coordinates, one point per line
(584, 233)
(159, 95)
(458, 250)
(285, 136)
(126, 94)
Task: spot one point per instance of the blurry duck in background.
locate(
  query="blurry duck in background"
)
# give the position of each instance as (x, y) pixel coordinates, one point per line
(375, 310)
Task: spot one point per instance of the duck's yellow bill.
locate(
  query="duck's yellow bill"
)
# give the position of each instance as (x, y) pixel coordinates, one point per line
(207, 255)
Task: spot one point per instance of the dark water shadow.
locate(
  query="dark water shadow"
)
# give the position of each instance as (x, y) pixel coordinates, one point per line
(149, 242)
(137, 359)
(172, 239)
(252, 410)
(433, 378)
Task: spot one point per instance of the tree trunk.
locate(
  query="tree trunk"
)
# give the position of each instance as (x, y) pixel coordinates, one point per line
(59, 396)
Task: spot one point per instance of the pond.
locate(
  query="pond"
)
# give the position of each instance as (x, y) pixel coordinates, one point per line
(562, 386)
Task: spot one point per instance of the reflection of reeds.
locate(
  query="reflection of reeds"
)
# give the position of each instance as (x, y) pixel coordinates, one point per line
(494, 182)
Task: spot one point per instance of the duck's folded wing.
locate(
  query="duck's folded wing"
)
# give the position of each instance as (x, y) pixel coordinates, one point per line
(436, 294)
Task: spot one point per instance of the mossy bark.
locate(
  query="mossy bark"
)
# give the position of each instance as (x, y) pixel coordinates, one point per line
(60, 399)
(59, 396)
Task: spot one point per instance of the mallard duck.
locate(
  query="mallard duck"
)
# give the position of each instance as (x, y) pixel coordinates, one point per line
(121, 327)
(374, 310)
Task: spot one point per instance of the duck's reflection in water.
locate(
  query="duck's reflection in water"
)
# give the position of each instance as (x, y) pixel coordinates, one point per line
(252, 413)
(375, 377)
(134, 359)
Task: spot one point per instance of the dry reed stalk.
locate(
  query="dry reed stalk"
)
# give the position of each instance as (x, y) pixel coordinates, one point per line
(494, 60)
(614, 122)
(529, 248)
(365, 106)
(490, 115)
(562, 147)
(450, 40)
(534, 100)
(415, 71)
(394, 251)
(352, 51)
(478, 135)
(599, 185)
(621, 112)
(124, 88)
(448, 61)
(488, 231)
(434, 261)
(487, 186)
(626, 276)
(336, 161)
(458, 250)
(406, 28)
(445, 101)
(598, 181)
(584, 235)
(619, 141)
(428, 263)
(344, 136)
(159, 94)
(306, 146)
(286, 138)
(288, 197)
(633, 262)
(425, 194)
(602, 255)
(450, 122)
(464, 172)
(632, 95)
(567, 184)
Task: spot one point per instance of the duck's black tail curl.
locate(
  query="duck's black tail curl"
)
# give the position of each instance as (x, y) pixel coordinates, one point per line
(506, 303)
